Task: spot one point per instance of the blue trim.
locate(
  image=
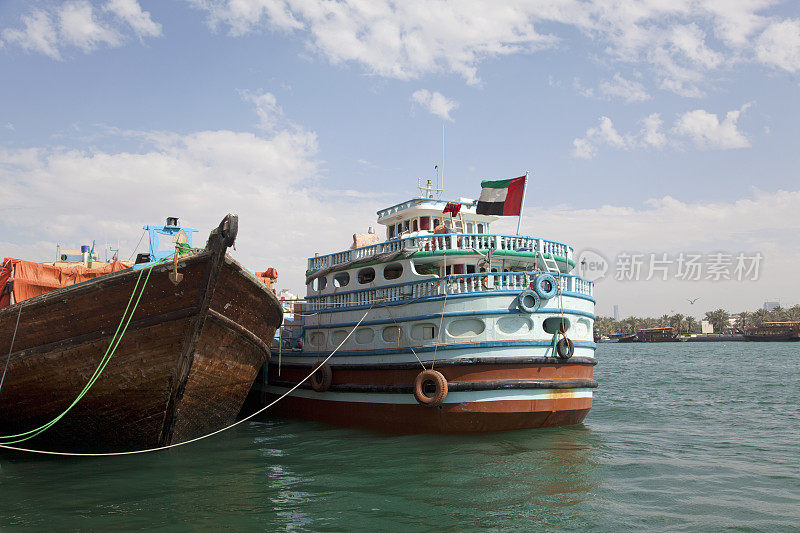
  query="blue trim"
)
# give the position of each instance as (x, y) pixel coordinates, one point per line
(437, 298)
(463, 346)
(555, 312)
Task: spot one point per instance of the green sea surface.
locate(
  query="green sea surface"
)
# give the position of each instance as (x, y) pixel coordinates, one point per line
(682, 437)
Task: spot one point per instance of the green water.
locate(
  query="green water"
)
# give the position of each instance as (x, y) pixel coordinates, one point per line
(681, 437)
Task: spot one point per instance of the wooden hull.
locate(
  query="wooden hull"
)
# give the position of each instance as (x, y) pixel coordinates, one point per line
(483, 395)
(182, 369)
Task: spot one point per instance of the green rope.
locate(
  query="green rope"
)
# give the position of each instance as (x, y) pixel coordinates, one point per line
(555, 341)
(112, 348)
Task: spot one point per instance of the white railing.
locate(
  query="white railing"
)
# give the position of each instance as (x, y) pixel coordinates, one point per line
(460, 284)
(453, 241)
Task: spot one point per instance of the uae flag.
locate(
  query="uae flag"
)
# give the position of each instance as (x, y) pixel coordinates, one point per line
(501, 197)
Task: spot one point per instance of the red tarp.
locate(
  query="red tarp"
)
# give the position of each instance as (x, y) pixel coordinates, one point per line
(33, 279)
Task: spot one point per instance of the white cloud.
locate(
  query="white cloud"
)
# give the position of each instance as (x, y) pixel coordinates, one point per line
(779, 45)
(708, 132)
(267, 108)
(628, 90)
(409, 39)
(651, 132)
(705, 130)
(78, 24)
(39, 35)
(287, 212)
(79, 27)
(435, 102)
(603, 134)
(131, 12)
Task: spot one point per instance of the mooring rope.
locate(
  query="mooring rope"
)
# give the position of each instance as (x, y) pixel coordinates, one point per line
(161, 448)
(11, 348)
(112, 348)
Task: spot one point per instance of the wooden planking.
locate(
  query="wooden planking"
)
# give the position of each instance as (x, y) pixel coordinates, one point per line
(224, 367)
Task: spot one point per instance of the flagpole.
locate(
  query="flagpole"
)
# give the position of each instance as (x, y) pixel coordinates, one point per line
(522, 205)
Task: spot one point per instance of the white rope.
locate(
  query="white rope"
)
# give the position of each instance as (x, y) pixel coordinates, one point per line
(160, 448)
(11, 349)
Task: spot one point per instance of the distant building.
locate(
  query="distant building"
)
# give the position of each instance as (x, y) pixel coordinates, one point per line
(771, 306)
(616, 313)
(733, 321)
(706, 327)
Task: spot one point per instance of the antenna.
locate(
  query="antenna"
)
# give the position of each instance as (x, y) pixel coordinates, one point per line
(442, 157)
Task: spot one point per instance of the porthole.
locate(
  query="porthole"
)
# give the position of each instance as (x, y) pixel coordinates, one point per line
(316, 339)
(320, 283)
(341, 279)
(366, 275)
(364, 335)
(338, 336)
(551, 325)
(466, 327)
(392, 271)
(391, 333)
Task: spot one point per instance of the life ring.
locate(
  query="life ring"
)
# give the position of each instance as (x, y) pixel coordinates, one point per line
(322, 377)
(422, 386)
(529, 301)
(565, 348)
(545, 286)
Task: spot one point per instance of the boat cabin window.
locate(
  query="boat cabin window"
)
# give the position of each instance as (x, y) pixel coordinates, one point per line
(341, 279)
(320, 283)
(425, 223)
(458, 269)
(392, 271)
(406, 226)
(399, 229)
(480, 227)
(414, 225)
(366, 275)
(390, 229)
(447, 270)
(551, 324)
(459, 226)
(436, 223)
(470, 227)
(448, 223)
(470, 269)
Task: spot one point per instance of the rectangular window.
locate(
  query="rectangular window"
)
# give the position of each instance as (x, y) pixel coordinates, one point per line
(447, 270)
(391, 232)
(470, 227)
(458, 269)
(480, 228)
(406, 226)
(447, 223)
(399, 229)
(428, 332)
(414, 226)
(425, 223)
(470, 269)
(436, 223)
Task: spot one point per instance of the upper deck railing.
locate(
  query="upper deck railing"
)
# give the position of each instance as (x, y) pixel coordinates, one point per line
(480, 242)
(486, 282)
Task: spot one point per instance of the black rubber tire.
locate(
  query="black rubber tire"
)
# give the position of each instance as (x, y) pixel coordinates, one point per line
(565, 348)
(322, 377)
(440, 388)
(529, 301)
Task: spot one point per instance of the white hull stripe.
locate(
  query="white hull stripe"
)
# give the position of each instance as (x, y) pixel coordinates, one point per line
(453, 397)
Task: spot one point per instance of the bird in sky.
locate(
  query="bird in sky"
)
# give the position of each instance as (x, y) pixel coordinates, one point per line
(692, 301)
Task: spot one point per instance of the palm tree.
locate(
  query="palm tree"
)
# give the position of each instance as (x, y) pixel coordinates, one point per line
(676, 321)
(691, 324)
(718, 319)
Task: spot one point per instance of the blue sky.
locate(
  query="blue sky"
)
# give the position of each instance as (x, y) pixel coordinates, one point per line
(659, 126)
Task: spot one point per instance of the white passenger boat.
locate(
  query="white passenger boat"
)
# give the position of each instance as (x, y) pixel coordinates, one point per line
(465, 331)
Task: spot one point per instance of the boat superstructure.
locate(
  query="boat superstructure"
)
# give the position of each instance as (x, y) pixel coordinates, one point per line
(461, 329)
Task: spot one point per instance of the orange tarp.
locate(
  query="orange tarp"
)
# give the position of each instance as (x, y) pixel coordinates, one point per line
(32, 279)
(269, 276)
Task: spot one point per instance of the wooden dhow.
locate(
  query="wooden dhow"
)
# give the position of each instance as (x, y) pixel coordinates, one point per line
(183, 367)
